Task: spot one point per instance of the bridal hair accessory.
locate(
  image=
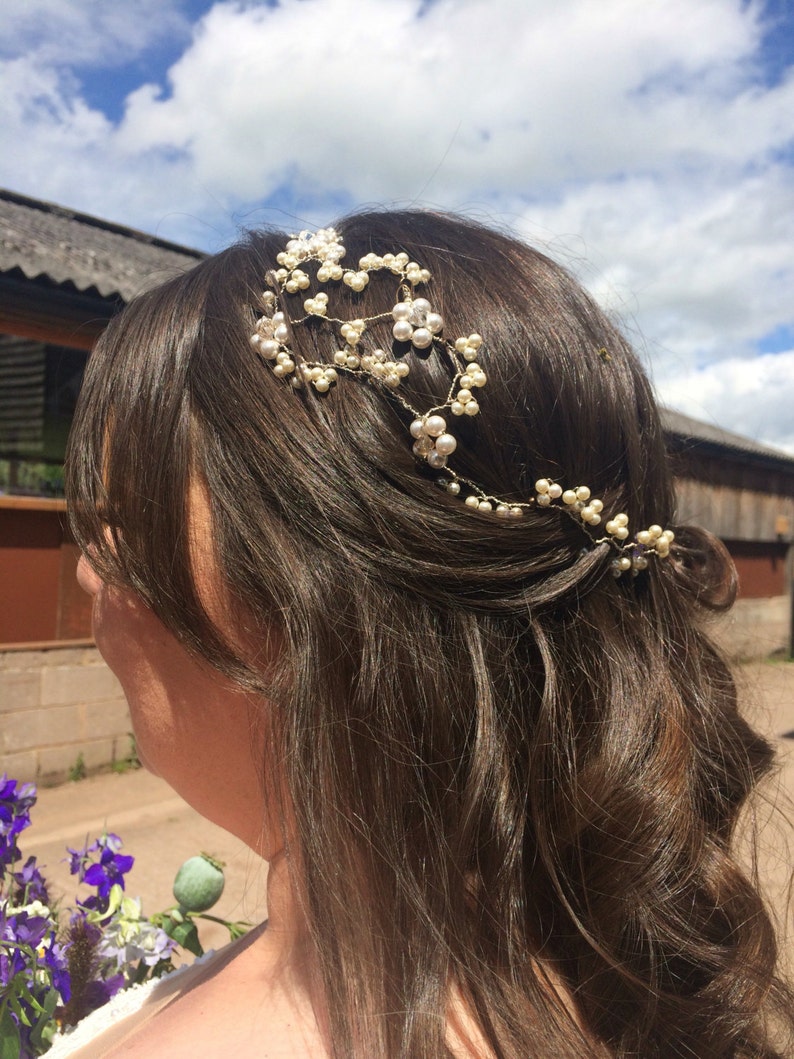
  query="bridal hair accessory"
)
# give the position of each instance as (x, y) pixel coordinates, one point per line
(416, 328)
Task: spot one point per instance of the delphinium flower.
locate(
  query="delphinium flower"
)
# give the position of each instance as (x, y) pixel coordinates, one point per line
(34, 978)
(111, 867)
(30, 884)
(102, 874)
(15, 804)
(33, 971)
(93, 980)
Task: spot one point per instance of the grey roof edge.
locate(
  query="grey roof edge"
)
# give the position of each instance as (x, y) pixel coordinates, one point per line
(98, 222)
(688, 429)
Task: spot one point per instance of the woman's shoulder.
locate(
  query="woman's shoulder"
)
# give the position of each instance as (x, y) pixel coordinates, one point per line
(130, 1007)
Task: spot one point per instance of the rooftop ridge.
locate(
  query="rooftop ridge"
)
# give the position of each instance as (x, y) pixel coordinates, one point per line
(97, 222)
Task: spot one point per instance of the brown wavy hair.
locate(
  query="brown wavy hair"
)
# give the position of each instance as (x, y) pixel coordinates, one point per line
(503, 765)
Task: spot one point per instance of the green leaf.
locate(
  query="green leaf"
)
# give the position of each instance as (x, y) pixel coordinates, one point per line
(45, 1027)
(186, 935)
(10, 1044)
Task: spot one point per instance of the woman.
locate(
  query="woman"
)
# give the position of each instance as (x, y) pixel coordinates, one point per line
(394, 591)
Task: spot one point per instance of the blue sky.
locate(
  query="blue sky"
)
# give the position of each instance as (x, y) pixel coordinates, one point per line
(647, 144)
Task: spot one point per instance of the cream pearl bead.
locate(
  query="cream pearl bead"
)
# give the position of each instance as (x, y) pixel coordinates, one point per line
(401, 311)
(435, 426)
(421, 338)
(472, 501)
(417, 428)
(446, 444)
(402, 331)
(471, 408)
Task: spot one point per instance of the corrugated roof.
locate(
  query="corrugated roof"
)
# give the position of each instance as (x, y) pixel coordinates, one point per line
(688, 429)
(41, 239)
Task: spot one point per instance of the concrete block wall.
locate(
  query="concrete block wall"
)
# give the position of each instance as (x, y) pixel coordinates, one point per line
(59, 704)
(754, 628)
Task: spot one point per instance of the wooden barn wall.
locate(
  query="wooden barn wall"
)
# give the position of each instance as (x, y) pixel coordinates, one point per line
(738, 513)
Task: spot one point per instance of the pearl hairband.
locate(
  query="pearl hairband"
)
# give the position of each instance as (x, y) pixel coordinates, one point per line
(418, 327)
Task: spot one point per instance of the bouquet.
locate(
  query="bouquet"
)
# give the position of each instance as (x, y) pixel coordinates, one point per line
(58, 965)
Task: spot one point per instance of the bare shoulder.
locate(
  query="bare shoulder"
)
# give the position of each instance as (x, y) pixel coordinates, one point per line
(249, 1005)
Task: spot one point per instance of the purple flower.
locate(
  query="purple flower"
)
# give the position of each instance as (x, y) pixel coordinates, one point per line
(100, 991)
(79, 858)
(55, 958)
(111, 869)
(31, 884)
(15, 804)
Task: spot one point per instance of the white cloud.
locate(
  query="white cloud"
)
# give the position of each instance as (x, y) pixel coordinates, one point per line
(697, 265)
(87, 31)
(639, 141)
(751, 397)
(470, 96)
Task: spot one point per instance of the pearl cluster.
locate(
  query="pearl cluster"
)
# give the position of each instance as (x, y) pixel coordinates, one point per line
(414, 321)
(581, 504)
(432, 442)
(416, 324)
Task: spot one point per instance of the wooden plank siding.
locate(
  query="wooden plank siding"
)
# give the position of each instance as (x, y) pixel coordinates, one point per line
(734, 513)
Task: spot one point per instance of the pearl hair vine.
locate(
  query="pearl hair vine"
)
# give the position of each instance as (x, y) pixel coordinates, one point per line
(416, 327)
